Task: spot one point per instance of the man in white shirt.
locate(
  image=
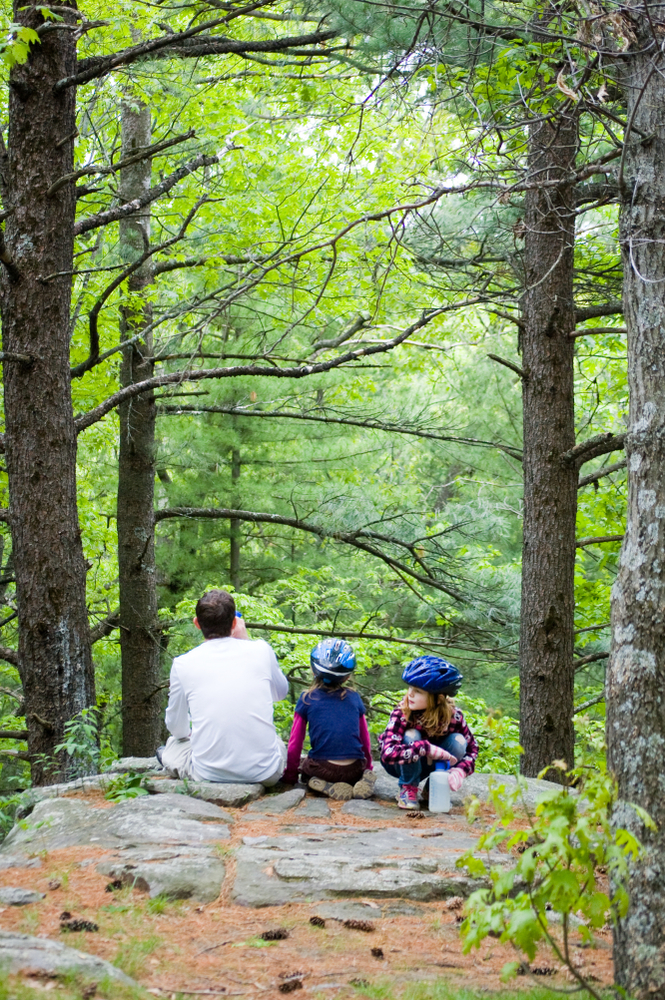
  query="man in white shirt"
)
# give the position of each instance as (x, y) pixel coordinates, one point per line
(226, 688)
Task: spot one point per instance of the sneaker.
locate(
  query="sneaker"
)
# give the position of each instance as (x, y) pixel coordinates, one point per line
(340, 791)
(364, 789)
(408, 797)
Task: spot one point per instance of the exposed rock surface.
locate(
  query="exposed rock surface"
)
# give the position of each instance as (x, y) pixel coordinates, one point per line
(330, 862)
(275, 805)
(217, 792)
(137, 765)
(477, 784)
(165, 844)
(11, 896)
(25, 954)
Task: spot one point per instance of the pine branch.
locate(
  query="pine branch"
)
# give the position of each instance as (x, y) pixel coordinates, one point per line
(104, 627)
(600, 444)
(597, 540)
(370, 424)
(354, 539)
(9, 655)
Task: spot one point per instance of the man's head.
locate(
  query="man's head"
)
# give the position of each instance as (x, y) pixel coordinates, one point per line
(215, 614)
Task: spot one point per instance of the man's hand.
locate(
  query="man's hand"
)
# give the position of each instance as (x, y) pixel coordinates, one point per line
(238, 630)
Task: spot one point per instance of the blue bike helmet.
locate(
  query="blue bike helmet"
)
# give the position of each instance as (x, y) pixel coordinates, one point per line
(433, 674)
(332, 660)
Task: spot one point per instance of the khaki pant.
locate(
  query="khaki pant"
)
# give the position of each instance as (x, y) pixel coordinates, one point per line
(177, 760)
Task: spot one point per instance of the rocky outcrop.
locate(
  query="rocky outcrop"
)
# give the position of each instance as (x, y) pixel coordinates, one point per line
(20, 953)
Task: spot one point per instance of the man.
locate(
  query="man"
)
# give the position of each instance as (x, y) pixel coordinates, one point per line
(226, 687)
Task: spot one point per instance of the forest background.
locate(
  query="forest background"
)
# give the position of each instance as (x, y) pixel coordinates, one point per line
(324, 198)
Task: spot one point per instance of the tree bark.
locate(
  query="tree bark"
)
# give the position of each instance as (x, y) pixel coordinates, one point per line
(636, 674)
(54, 648)
(234, 523)
(550, 484)
(139, 632)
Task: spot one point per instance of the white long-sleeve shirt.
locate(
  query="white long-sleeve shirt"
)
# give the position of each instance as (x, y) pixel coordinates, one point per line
(227, 687)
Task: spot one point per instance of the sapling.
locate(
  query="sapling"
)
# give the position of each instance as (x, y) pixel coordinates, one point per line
(553, 887)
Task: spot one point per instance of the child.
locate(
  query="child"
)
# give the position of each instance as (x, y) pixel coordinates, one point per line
(426, 727)
(340, 762)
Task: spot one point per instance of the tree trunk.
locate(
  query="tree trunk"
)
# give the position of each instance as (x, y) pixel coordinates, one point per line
(139, 632)
(234, 558)
(54, 646)
(550, 485)
(636, 672)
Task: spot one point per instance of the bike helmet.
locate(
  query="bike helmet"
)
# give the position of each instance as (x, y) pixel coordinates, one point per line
(332, 659)
(433, 674)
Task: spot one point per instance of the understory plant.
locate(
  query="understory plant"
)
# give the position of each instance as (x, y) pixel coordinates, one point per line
(569, 872)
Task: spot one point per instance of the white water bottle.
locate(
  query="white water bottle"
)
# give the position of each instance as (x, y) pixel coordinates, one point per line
(439, 788)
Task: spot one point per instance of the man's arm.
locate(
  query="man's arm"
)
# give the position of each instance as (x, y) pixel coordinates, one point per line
(177, 714)
(278, 682)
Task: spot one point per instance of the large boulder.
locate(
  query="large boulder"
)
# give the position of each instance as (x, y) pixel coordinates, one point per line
(21, 953)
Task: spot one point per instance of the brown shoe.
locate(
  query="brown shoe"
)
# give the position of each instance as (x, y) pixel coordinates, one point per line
(340, 791)
(364, 789)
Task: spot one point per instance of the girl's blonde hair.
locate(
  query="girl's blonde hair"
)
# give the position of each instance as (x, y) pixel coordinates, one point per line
(435, 719)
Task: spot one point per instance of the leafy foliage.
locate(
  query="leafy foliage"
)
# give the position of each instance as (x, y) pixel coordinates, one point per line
(557, 882)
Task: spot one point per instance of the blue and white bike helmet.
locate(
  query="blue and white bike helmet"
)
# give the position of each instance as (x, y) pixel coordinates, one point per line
(433, 674)
(332, 660)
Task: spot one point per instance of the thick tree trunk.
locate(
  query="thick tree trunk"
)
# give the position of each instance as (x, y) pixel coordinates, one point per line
(54, 647)
(139, 633)
(234, 534)
(550, 484)
(636, 673)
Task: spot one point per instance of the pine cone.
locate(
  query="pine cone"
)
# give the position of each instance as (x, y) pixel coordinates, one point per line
(317, 921)
(454, 903)
(359, 925)
(290, 985)
(279, 934)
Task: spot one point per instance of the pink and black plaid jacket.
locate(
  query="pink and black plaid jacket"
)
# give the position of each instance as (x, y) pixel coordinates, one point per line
(395, 751)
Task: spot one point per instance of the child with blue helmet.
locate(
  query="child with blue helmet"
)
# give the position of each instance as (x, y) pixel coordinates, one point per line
(339, 763)
(427, 727)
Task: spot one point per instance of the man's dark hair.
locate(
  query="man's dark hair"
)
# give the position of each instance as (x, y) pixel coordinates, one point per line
(215, 612)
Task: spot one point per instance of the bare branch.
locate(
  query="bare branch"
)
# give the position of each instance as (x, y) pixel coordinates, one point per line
(185, 44)
(7, 734)
(104, 627)
(508, 364)
(591, 658)
(9, 655)
(593, 477)
(588, 704)
(341, 634)
(595, 312)
(597, 540)
(601, 444)
(197, 375)
(589, 331)
(122, 211)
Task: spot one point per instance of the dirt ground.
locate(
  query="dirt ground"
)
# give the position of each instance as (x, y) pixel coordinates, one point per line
(215, 949)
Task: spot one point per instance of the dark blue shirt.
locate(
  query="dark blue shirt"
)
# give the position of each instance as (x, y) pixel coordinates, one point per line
(334, 723)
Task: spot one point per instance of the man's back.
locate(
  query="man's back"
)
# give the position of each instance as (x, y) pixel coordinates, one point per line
(228, 686)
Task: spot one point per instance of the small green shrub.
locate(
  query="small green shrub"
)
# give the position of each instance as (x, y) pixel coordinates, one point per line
(126, 786)
(568, 838)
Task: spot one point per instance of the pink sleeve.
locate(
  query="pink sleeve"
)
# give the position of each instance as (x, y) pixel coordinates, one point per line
(294, 749)
(365, 740)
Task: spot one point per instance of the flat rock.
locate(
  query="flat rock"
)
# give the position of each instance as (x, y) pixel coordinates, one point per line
(218, 792)
(30, 798)
(164, 846)
(314, 809)
(187, 874)
(138, 765)
(346, 862)
(18, 861)
(367, 809)
(357, 910)
(387, 787)
(23, 953)
(70, 822)
(19, 897)
(275, 805)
